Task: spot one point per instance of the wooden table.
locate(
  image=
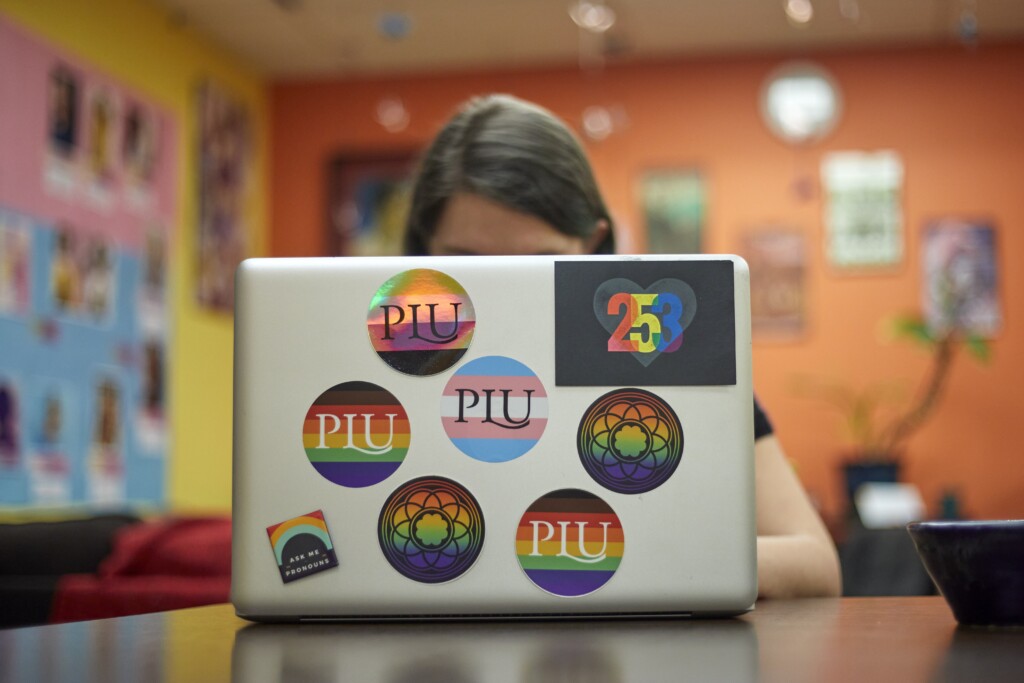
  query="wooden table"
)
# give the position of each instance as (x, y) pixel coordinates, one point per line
(854, 639)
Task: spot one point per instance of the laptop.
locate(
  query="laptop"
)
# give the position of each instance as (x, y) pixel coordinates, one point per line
(492, 437)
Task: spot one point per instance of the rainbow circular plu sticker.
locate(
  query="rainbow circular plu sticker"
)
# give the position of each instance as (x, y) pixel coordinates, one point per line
(431, 530)
(421, 322)
(570, 543)
(356, 434)
(494, 409)
(630, 441)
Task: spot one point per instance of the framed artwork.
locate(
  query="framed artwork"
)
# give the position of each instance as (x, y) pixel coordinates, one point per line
(778, 267)
(959, 272)
(863, 209)
(673, 203)
(368, 202)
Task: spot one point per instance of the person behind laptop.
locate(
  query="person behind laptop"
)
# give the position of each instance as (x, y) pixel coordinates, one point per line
(506, 177)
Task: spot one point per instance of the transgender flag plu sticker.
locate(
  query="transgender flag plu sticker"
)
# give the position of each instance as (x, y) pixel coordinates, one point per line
(494, 409)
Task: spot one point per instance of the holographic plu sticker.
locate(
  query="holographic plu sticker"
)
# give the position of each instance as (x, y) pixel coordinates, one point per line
(302, 546)
(356, 434)
(630, 441)
(569, 542)
(494, 409)
(421, 322)
(431, 530)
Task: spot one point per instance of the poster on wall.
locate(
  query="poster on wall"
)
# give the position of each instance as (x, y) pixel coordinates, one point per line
(863, 209)
(778, 265)
(369, 200)
(225, 153)
(960, 286)
(87, 198)
(673, 205)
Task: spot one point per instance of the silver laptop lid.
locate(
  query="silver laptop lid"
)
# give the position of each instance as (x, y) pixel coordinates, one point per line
(478, 436)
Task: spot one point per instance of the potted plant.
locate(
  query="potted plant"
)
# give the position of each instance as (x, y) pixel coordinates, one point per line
(878, 441)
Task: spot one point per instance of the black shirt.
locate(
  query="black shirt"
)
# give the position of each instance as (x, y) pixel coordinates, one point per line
(762, 425)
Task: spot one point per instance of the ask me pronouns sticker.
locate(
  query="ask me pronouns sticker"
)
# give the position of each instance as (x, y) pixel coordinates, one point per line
(494, 409)
(302, 546)
(421, 322)
(356, 434)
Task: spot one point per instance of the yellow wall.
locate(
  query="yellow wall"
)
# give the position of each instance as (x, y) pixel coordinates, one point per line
(144, 48)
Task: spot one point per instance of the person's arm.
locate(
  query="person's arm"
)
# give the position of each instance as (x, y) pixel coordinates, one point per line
(796, 556)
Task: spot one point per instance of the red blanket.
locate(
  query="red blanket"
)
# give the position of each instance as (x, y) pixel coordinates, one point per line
(155, 566)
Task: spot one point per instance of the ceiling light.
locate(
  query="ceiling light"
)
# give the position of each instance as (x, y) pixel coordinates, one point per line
(394, 25)
(850, 9)
(595, 17)
(392, 114)
(799, 11)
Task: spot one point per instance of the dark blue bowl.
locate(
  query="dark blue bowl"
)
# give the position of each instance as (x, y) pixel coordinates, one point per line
(977, 566)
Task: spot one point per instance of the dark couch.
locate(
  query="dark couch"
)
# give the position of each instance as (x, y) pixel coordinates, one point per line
(111, 565)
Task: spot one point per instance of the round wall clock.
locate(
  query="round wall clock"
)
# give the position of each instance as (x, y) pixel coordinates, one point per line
(800, 102)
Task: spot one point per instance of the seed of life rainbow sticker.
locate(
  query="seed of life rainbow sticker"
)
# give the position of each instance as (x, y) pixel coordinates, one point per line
(630, 441)
(431, 530)
(356, 434)
(494, 409)
(302, 546)
(421, 322)
(569, 542)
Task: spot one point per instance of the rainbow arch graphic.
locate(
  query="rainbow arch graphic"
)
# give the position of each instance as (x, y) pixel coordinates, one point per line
(312, 560)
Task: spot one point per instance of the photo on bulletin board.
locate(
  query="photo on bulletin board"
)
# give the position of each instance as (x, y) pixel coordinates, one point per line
(863, 209)
(102, 132)
(225, 156)
(960, 287)
(10, 419)
(15, 265)
(673, 207)
(63, 111)
(52, 410)
(368, 203)
(778, 268)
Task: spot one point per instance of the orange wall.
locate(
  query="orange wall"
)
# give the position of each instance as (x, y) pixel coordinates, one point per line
(953, 114)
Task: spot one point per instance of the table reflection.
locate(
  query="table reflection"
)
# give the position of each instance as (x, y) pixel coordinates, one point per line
(527, 652)
(983, 654)
(107, 650)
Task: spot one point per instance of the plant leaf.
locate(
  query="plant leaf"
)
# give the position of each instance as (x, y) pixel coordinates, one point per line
(978, 347)
(913, 327)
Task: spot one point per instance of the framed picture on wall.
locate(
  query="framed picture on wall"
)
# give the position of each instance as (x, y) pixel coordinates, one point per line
(863, 209)
(778, 265)
(673, 206)
(959, 272)
(368, 201)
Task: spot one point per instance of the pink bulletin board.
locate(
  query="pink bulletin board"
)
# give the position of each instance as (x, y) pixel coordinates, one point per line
(88, 198)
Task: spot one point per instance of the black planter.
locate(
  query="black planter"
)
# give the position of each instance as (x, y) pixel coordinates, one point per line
(867, 471)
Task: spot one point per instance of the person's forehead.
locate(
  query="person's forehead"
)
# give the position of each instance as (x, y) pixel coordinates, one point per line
(474, 224)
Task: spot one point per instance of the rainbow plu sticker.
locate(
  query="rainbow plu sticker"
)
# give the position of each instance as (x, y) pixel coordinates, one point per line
(302, 546)
(494, 409)
(569, 542)
(630, 441)
(356, 434)
(431, 530)
(421, 322)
